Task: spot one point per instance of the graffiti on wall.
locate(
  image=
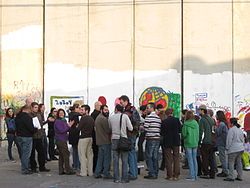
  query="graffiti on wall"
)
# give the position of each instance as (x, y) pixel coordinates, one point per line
(14, 96)
(158, 95)
(202, 98)
(243, 113)
(19, 91)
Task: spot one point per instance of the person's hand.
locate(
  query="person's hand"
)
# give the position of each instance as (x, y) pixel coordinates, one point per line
(51, 119)
(71, 123)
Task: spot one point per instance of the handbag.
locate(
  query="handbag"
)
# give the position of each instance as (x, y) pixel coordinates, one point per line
(124, 143)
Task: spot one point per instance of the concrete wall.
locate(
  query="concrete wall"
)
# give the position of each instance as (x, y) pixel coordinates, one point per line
(109, 48)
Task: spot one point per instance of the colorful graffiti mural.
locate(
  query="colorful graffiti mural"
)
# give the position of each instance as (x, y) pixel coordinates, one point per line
(14, 96)
(159, 96)
(243, 114)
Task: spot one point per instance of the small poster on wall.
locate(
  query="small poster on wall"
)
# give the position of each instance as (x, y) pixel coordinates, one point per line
(65, 102)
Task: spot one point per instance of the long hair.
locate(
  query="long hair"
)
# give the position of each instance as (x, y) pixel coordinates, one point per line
(221, 116)
(7, 113)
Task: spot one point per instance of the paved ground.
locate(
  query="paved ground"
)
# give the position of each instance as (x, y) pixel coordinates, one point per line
(10, 177)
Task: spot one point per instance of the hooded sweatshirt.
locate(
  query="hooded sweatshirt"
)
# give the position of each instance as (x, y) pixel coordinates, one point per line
(190, 133)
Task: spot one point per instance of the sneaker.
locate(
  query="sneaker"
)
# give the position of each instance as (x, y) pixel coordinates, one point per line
(228, 179)
(222, 174)
(116, 181)
(190, 179)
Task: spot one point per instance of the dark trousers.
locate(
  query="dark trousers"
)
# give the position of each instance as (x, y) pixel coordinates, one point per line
(13, 139)
(37, 146)
(63, 161)
(95, 155)
(51, 147)
(140, 156)
(172, 156)
(45, 147)
(207, 154)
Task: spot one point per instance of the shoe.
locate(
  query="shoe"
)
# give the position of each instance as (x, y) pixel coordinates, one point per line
(116, 181)
(70, 173)
(44, 170)
(205, 176)
(125, 181)
(169, 178)
(238, 179)
(108, 177)
(190, 179)
(54, 159)
(34, 171)
(228, 179)
(162, 169)
(61, 173)
(27, 173)
(150, 177)
(176, 178)
(48, 159)
(222, 174)
(98, 176)
(132, 178)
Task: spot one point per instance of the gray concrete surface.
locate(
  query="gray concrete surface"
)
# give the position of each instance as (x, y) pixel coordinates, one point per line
(10, 177)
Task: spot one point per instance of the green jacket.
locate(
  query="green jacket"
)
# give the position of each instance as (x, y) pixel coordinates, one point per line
(190, 133)
(206, 127)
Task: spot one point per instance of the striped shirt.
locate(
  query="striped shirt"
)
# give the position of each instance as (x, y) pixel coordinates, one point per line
(152, 126)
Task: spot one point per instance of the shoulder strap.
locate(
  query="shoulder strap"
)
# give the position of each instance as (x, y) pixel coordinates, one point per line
(121, 121)
(212, 126)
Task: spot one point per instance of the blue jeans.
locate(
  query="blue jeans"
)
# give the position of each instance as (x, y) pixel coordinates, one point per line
(12, 138)
(152, 155)
(192, 162)
(25, 144)
(132, 159)
(104, 160)
(124, 157)
(76, 160)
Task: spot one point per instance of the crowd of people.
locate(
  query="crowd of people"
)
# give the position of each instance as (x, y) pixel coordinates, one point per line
(95, 139)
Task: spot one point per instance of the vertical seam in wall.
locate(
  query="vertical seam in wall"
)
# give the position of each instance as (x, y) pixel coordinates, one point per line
(1, 15)
(43, 61)
(182, 57)
(133, 50)
(233, 58)
(88, 56)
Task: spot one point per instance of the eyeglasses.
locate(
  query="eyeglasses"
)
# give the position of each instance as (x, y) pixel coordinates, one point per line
(55, 111)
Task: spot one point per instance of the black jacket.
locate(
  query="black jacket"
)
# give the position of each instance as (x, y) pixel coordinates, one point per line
(24, 125)
(170, 131)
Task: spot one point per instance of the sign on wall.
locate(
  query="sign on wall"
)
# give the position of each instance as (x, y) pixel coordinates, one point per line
(65, 102)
